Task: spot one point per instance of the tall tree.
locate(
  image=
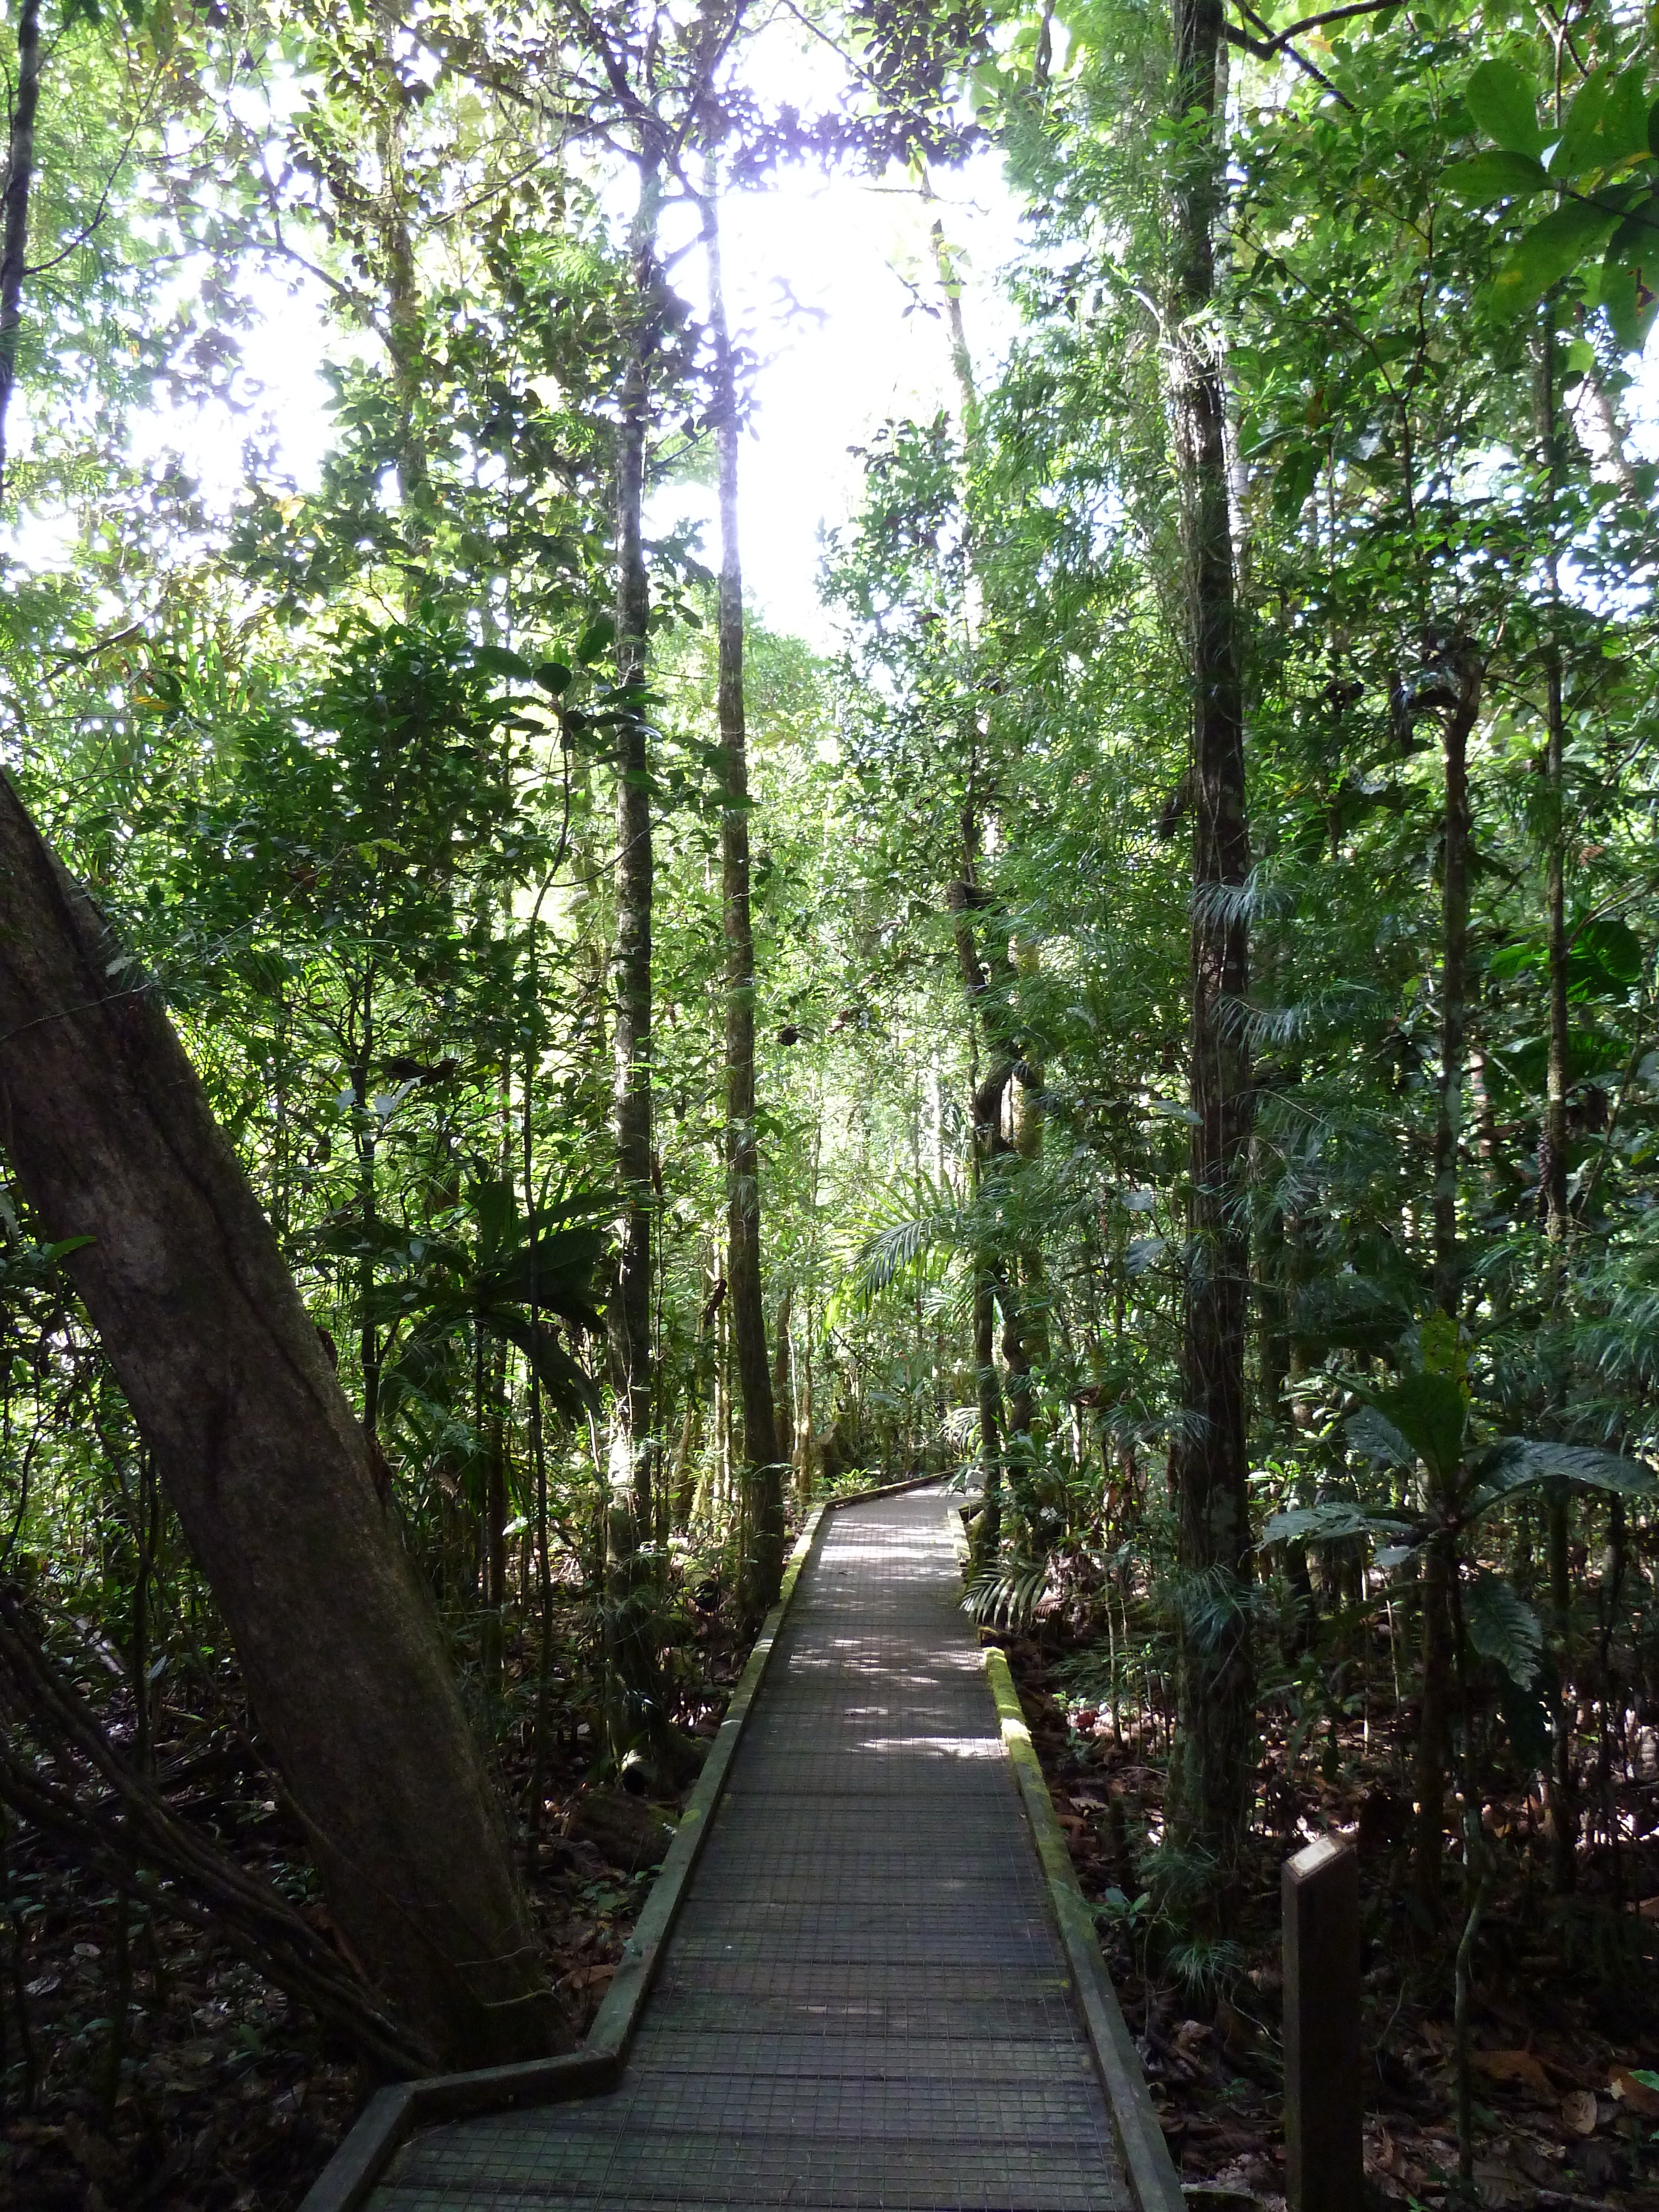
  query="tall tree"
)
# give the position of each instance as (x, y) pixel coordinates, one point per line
(762, 1567)
(1208, 1461)
(632, 1471)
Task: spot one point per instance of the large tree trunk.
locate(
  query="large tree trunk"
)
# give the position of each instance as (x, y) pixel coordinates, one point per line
(268, 1470)
(631, 1703)
(1211, 1774)
(762, 1563)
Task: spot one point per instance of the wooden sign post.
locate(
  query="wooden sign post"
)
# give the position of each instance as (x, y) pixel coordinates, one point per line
(1323, 2152)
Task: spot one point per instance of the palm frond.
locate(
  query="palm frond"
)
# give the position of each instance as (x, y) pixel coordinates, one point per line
(1006, 1598)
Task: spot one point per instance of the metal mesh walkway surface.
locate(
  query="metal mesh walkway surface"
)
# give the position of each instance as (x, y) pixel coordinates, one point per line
(863, 2001)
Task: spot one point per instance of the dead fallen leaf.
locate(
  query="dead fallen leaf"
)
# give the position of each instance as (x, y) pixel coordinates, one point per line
(1636, 2096)
(1649, 1908)
(1515, 2066)
(1578, 2111)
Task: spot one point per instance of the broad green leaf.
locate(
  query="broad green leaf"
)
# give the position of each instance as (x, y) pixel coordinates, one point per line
(1502, 103)
(1604, 960)
(1624, 131)
(1636, 238)
(1575, 151)
(1338, 1517)
(497, 660)
(1502, 1626)
(1550, 250)
(1375, 1437)
(1627, 302)
(1293, 482)
(1523, 1462)
(1428, 1412)
(1486, 179)
(1518, 957)
(594, 640)
(1578, 360)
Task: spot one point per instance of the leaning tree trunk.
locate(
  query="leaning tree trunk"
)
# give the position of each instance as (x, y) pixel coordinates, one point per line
(631, 1705)
(762, 1563)
(110, 1138)
(1211, 1774)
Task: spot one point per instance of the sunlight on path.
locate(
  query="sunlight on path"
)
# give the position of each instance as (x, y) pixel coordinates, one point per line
(865, 2002)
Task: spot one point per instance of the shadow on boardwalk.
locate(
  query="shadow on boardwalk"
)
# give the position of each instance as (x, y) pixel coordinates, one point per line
(863, 2001)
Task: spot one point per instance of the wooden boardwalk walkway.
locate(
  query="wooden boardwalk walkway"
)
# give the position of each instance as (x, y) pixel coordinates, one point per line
(865, 2001)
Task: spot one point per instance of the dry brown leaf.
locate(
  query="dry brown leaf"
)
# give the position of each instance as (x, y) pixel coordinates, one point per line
(1383, 2158)
(1517, 2066)
(1634, 2095)
(1649, 1908)
(1578, 2111)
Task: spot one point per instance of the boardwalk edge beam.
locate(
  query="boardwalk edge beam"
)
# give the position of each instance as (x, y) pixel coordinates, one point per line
(1140, 2143)
(392, 2115)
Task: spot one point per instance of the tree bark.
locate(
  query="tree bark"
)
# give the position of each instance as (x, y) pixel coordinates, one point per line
(1560, 1808)
(631, 1705)
(267, 1468)
(1433, 1750)
(1433, 1742)
(1210, 1778)
(14, 232)
(762, 1563)
(1454, 965)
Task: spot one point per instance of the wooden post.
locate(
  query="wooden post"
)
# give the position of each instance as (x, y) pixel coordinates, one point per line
(1324, 2155)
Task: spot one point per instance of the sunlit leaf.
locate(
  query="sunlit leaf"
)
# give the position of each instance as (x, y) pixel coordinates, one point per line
(1502, 104)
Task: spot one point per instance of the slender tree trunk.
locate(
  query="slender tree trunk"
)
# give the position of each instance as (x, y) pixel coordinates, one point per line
(762, 1567)
(1454, 976)
(19, 178)
(1208, 1467)
(782, 1366)
(1433, 1748)
(1433, 1739)
(632, 1705)
(266, 1466)
(1031, 1320)
(1561, 1812)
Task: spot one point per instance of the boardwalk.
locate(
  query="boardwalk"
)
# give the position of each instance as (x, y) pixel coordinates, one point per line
(863, 2001)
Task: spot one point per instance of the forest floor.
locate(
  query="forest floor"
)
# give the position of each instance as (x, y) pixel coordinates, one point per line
(217, 2094)
(1565, 2000)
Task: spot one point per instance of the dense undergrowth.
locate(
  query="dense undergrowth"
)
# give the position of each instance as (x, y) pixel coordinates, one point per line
(145, 2066)
(1565, 2020)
